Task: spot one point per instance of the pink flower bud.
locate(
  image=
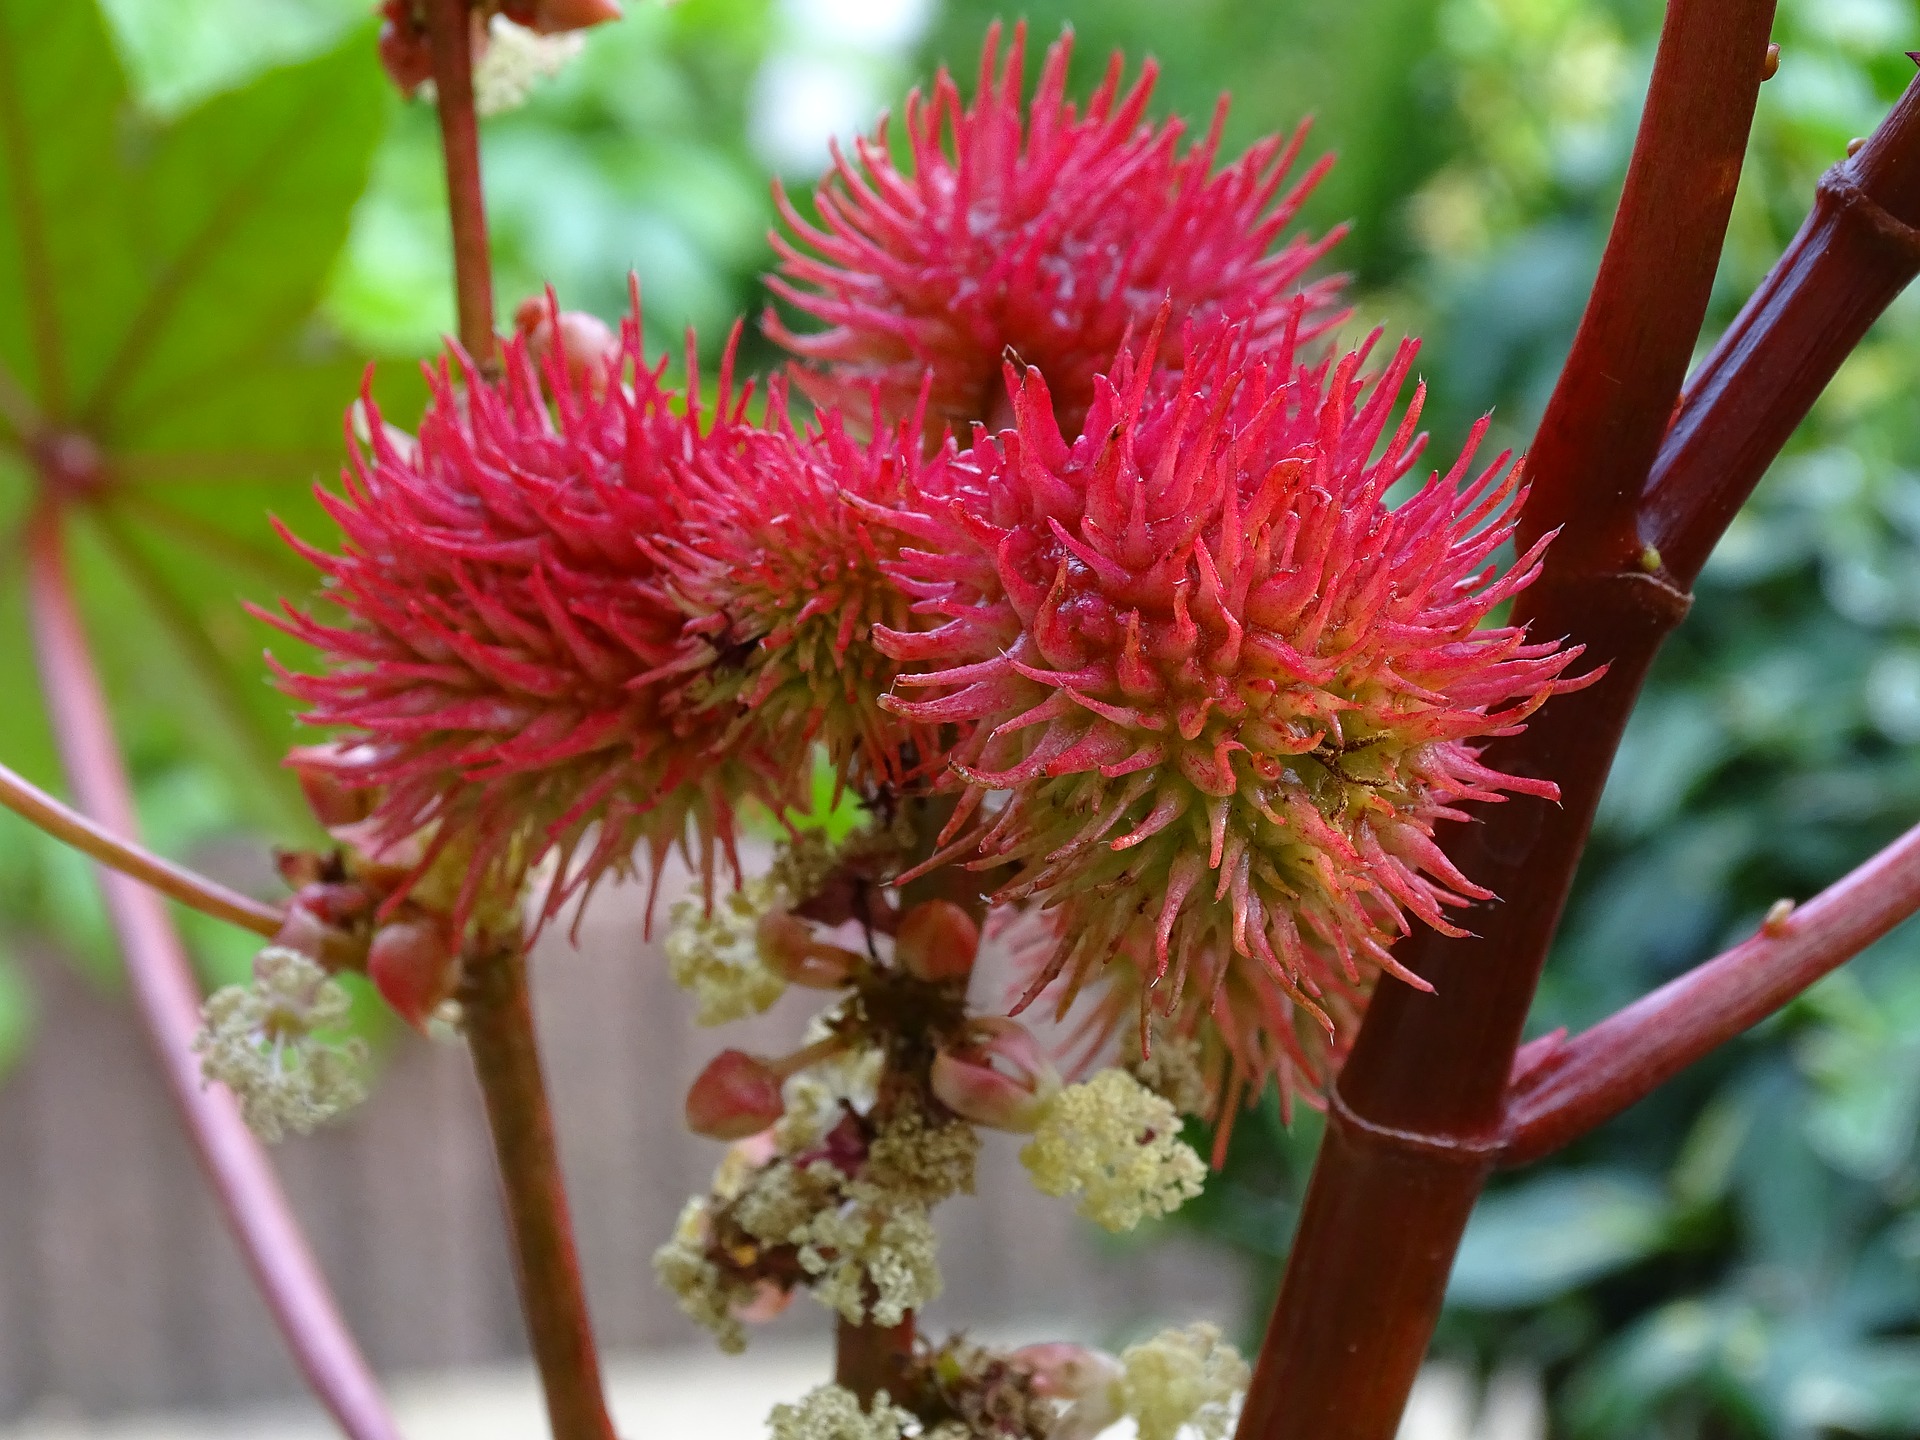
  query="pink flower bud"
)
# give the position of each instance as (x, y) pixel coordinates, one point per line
(412, 964)
(378, 860)
(937, 941)
(737, 1095)
(1065, 1371)
(588, 346)
(333, 799)
(551, 17)
(996, 1076)
(405, 51)
(789, 949)
(769, 1302)
(303, 931)
(337, 904)
(1089, 1380)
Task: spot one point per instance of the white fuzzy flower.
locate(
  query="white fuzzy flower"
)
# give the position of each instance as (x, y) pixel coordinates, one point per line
(260, 1042)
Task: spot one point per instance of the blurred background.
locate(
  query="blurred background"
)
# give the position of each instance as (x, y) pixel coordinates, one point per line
(1737, 1257)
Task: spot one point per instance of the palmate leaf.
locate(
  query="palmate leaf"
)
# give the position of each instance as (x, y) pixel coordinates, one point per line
(157, 287)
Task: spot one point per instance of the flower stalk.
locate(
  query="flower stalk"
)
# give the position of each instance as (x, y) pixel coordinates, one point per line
(168, 1003)
(1567, 1087)
(869, 1358)
(176, 882)
(498, 1013)
(450, 26)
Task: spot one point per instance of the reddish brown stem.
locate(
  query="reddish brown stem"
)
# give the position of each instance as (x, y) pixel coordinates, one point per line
(1569, 1086)
(1855, 253)
(1415, 1124)
(1604, 424)
(450, 27)
(174, 881)
(168, 1002)
(506, 1058)
(870, 1358)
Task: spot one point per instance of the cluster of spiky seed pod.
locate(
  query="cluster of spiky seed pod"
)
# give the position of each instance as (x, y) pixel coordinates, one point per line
(1086, 564)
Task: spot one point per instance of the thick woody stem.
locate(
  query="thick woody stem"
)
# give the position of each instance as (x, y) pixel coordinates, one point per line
(168, 1003)
(450, 27)
(1567, 1087)
(1857, 250)
(498, 1012)
(870, 1358)
(69, 826)
(1415, 1124)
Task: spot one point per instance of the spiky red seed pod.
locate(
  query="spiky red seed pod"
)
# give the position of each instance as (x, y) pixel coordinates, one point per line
(1049, 232)
(785, 576)
(1225, 688)
(509, 666)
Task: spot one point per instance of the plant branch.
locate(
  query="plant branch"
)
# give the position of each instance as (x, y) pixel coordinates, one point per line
(1567, 1087)
(870, 1358)
(450, 26)
(168, 1003)
(1857, 250)
(70, 827)
(1414, 1123)
(499, 1022)
(1603, 425)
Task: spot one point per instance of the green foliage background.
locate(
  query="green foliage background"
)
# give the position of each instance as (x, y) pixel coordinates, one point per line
(1741, 1255)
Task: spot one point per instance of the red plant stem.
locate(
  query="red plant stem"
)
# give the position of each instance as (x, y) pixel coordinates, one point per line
(168, 1003)
(1855, 253)
(450, 27)
(1604, 424)
(506, 1058)
(1570, 1086)
(69, 826)
(1415, 1123)
(870, 1358)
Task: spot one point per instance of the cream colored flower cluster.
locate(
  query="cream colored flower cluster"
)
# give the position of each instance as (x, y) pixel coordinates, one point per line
(708, 1296)
(833, 1413)
(262, 1042)
(714, 952)
(867, 1241)
(1115, 1144)
(1180, 1379)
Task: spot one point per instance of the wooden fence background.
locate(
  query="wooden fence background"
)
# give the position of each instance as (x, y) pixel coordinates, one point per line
(119, 1288)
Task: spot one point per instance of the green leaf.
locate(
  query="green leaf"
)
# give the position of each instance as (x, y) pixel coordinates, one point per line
(185, 50)
(1868, 1390)
(1541, 1239)
(158, 280)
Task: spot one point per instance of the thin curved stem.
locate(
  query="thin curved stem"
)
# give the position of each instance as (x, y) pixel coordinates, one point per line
(168, 1003)
(498, 1013)
(1567, 1087)
(449, 24)
(176, 882)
